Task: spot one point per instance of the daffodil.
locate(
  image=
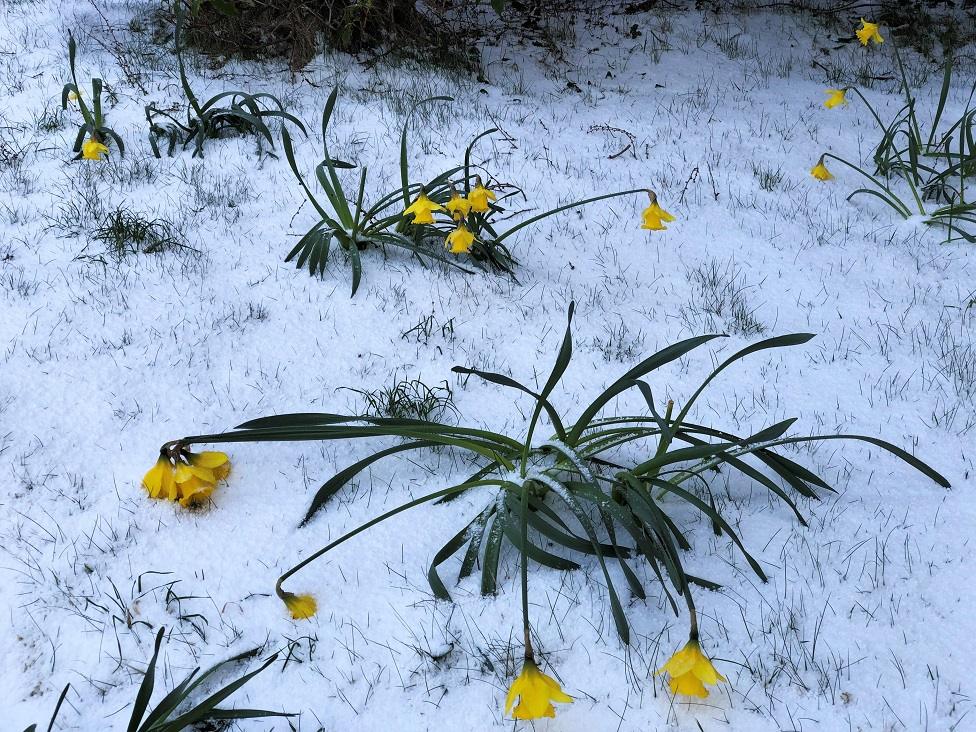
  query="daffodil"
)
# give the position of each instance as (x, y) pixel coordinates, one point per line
(820, 172)
(868, 32)
(218, 462)
(535, 692)
(194, 484)
(422, 209)
(460, 240)
(835, 97)
(458, 206)
(689, 670)
(479, 197)
(654, 216)
(301, 607)
(160, 480)
(188, 478)
(74, 96)
(92, 149)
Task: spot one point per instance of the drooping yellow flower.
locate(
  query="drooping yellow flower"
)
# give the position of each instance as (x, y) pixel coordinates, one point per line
(868, 32)
(820, 172)
(194, 484)
(301, 607)
(458, 206)
(74, 96)
(217, 462)
(654, 216)
(190, 482)
(536, 692)
(92, 149)
(460, 240)
(160, 480)
(479, 197)
(835, 97)
(422, 209)
(689, 670)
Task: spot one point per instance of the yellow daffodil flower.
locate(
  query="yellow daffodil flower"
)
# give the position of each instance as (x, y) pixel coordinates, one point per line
(458, 206)
(820, 172)
(460, 240)
(868, 32)
(835, 97)
(301, 607)
(689, 670)
(217, 462)
(191, 482)
(92, 149)
(194, 484)
(535, 691)
(73, 96)
(160, 480)
(479, 197)
(422, 209)
(654, 216)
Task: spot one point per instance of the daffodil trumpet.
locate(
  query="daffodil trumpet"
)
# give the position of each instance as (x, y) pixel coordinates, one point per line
(535, 692)
(653, 217)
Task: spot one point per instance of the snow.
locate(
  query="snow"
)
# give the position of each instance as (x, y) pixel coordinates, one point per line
(865, 622)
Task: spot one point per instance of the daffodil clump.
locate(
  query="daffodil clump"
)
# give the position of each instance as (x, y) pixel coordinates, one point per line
(451, 218)
(185, 477)
(933, 167)
(94, 134)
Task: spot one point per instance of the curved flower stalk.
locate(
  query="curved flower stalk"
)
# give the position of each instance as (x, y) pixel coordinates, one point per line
(94, 134)
(936, 167)
(576, 496)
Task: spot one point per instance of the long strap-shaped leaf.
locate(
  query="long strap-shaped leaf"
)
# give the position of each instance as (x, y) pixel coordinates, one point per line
(794, 339)
(656, 361)
(337, 481)
(146, 687)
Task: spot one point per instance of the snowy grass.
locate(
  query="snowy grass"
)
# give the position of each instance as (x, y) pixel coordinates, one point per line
(864, 624)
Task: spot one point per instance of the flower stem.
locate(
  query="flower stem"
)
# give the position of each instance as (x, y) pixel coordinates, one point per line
(524, 568)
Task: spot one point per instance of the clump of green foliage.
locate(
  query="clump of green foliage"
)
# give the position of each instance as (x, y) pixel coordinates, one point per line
(93, 126)
(229, 112)
(614, 488)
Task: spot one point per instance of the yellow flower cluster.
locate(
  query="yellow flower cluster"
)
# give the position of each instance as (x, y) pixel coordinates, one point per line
(461, 239)
(189, 480)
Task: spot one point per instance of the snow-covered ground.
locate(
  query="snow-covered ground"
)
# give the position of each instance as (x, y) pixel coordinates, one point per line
(866, 621)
